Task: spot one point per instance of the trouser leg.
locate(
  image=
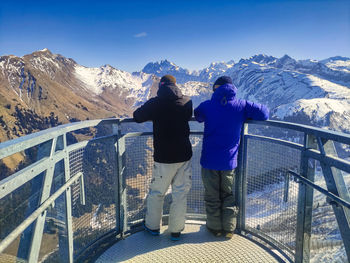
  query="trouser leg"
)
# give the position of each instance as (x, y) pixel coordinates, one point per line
(211, 182)
(181, 184)
(161, 179)
(227, 196)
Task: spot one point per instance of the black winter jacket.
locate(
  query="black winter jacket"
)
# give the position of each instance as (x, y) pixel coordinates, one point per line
(170, 112)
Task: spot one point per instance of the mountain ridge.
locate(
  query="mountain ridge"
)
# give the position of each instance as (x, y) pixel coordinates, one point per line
(53, 87)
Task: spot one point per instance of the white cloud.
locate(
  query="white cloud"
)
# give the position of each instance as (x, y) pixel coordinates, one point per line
(142, 34)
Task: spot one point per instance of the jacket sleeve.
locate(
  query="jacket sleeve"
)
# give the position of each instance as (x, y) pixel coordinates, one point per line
(145, 112)
(256, 111)
(189, 109)
(199, 113)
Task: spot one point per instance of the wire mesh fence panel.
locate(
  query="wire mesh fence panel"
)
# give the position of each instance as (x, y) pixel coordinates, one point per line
(326, 240)
(272, 195)
(97, 216)
(14, 209)
(138, 174)
(17, 251)
(195, 198)
(18, 205)
(277, 132)
(136, 127)
(54, 243)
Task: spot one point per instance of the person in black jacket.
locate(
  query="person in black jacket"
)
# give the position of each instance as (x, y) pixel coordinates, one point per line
(170, 112)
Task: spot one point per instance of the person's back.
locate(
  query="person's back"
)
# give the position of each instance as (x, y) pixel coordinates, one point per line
(170, 112)
(223, 116)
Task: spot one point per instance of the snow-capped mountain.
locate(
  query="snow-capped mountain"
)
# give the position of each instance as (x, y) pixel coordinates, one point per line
(182, 75)
(53, 89)
(215, 70)
(337, 63)
(304, 91)
(301, 91)
(136, 86)
(198, 91)
(57, 89)
(166, 67)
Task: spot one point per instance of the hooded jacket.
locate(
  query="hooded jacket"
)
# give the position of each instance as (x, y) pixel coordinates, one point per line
(170, 112)
(223, 117)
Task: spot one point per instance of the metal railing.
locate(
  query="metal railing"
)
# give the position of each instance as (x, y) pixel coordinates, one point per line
(69, 188)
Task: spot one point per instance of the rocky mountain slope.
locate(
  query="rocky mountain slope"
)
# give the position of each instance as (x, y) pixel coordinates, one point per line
(42, 90)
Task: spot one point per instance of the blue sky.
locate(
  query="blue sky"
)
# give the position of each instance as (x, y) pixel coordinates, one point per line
(129, 34)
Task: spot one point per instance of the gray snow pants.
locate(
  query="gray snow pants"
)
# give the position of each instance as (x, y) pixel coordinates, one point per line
(220, 203)
(178, 175)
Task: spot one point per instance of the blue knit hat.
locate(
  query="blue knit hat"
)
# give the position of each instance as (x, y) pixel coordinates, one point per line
(223, 80)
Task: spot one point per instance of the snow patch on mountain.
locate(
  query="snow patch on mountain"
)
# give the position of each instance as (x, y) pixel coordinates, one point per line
(97, 80)
(45, 64)
(338, 63)
(165, 67)
(317, 108)
(198, 91)
(215, 69)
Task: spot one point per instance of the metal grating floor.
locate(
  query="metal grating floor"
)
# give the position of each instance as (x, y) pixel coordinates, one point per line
(196, 245)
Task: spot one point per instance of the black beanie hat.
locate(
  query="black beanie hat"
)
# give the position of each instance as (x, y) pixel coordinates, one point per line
(222, 80)
(167, 79)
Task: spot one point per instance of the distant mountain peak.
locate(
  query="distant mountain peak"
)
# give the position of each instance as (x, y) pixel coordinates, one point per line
(165, 61)
(339, 58)
(260, 58)
(44, 51)
(335, 58)
(285, 57)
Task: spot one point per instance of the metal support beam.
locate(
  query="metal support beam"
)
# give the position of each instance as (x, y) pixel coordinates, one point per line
(305, 202)
(241, 185)
(336, 185)
(286, 188)
(68, 201)
(82, 190)
(121, 199)
(40, 222)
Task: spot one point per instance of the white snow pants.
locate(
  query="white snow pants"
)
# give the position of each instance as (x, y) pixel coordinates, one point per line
(164, 174)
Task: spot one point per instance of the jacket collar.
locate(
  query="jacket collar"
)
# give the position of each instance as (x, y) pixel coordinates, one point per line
(169, 91)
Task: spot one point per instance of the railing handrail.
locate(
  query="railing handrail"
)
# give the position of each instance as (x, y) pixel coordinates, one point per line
(19, 144)
(328, 194)
(13, 146)
(318, 132)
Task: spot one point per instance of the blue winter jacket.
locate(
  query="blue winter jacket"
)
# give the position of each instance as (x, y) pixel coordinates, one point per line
(223, 117)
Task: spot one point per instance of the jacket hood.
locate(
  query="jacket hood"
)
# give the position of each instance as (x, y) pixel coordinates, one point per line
(169, 91)
(227, 91)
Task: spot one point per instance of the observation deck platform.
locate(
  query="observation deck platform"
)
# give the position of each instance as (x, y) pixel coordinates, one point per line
(78, 193)
(196, 245)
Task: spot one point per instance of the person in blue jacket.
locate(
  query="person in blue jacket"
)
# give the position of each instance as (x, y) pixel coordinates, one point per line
(223, 116)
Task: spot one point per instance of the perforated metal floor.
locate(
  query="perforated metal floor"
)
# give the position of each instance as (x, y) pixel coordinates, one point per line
(196, 245)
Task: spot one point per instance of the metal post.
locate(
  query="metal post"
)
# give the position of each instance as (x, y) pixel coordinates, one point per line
(115, 130)
(286, 187)
(305, 202)
(40, 222)
(241, 186)
(24, 250)
(68, 202)
(336, 185)
(122, 213)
